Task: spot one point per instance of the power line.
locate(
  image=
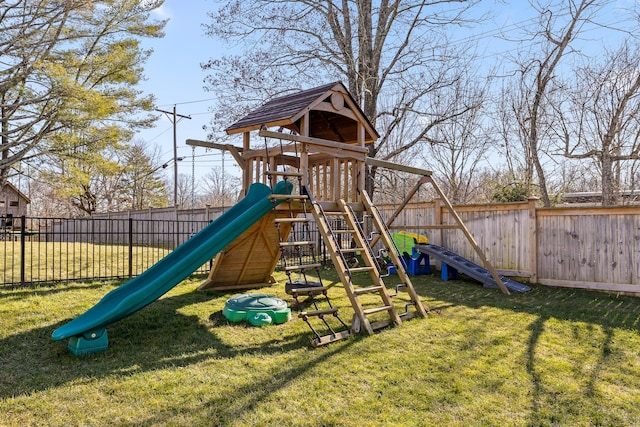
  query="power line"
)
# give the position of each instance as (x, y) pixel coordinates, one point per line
(190, 102)
(174, 119)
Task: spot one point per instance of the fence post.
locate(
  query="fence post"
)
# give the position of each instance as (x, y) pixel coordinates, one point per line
(438, 234)
(533, 240)
(130, 247)
(23, 232)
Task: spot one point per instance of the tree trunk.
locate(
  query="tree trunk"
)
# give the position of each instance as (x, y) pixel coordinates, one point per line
(608, 190)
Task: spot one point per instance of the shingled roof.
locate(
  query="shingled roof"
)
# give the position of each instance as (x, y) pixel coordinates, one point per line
(333, 114)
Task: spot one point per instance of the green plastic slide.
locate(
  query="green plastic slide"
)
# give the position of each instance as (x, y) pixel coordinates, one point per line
(168, 272)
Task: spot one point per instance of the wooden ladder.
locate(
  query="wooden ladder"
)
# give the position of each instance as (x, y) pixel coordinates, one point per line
(339, 257)
(314, 291)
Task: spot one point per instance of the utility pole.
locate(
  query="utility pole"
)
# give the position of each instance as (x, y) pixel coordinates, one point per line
(175, 148)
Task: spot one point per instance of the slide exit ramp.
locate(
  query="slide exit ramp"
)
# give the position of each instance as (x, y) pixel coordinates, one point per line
(464, 266)
(87, 332)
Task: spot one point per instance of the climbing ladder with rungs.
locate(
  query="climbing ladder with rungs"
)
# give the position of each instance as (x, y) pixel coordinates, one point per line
(310, 295)
(354, 230)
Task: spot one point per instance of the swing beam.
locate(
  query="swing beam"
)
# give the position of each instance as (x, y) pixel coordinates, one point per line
(353, 158)
(459, 224)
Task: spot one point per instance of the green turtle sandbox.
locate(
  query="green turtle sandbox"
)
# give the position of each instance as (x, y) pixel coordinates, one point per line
(257, 309)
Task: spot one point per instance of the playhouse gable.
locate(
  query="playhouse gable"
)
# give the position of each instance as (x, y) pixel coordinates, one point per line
(332, 112)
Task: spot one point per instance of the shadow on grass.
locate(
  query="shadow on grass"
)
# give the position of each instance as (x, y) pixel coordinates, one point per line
(239, 403)
(608, 311)
(153, 338)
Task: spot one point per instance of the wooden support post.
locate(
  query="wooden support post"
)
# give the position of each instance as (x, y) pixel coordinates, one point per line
(345, 180)
(325, 181)
(304, 154)
(406, 200)
(437, 218)
(265, 169)
(402, 205)
(486, 263)
(362, 166)
(354, 167)
(246, 172)
(335, 179)
(533, 240)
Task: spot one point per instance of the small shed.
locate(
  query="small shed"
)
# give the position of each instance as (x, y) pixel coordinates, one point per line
(13, 204)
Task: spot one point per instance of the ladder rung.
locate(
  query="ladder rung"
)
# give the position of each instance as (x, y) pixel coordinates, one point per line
(367, 290)
(358, 269)
(351, 250)
(288, 197)
(327, 339)
(290, 220)
(302, 267)
(313, 289)
(317, 312)
(343, 231)
(377, 309)
(300, 243)
(381, 324)
(278, 173)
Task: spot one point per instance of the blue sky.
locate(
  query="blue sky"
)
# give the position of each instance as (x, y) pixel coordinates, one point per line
(174, 75)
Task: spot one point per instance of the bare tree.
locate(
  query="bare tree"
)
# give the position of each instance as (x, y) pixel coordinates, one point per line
(220, 189)
(602, 120)
(390, 49)
(185, 193)
(559, 25)
(459, 145)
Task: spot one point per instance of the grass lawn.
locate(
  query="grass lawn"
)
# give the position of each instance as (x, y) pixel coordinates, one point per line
(57, 261)
(552, 357)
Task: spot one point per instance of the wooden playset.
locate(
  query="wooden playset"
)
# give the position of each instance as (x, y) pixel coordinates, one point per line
(320, 145)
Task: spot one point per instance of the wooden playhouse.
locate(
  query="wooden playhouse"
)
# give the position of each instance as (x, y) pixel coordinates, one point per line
(318, 139)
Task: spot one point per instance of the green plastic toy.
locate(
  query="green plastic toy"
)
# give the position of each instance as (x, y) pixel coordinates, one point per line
(257, 309)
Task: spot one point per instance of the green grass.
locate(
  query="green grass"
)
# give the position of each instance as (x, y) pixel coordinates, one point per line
(552, 357)
(51, 261)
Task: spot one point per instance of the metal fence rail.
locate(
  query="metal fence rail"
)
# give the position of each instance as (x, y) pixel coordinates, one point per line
(38, 250)
(43, 250)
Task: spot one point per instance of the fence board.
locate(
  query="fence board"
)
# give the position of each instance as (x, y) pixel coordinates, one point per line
(591, 248)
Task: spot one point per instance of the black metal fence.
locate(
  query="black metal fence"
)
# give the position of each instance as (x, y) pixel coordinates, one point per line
(41, 250)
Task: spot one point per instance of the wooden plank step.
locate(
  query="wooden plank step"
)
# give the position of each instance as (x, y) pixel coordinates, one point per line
(280, 173)
(343, 231)
(291, 220)
(288, 197)
(358, 291)
(302, 267)
(298, 243)
(328, 339)
(317, 312)
(359, 269)
(377, 309)
(381, 324)
(351, 250)
(313, 290)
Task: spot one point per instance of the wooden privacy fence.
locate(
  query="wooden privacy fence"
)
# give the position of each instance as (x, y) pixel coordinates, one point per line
(590, 248)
